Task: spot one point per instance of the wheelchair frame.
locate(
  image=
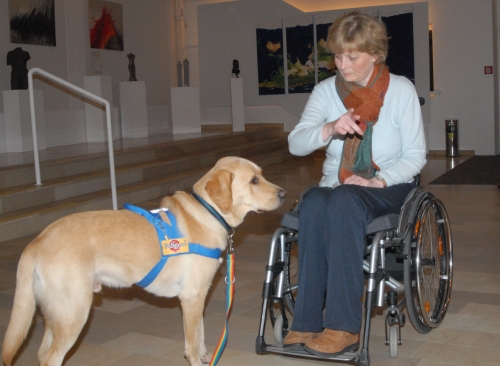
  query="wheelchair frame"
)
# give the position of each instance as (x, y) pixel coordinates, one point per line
(420, 237)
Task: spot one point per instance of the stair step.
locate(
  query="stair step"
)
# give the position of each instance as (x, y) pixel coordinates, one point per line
(144, 173)
(13, 176)
(27, 195)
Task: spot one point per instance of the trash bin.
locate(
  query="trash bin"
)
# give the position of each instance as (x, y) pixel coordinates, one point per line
(452, 137)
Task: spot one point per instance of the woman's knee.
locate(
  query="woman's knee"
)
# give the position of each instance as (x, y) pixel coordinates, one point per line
(314, 199)
(344, 197)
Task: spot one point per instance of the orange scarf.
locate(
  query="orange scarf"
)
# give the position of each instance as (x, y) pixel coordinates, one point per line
(366, 101)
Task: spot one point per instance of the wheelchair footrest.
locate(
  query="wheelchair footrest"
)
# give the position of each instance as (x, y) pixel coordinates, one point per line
(346, 357)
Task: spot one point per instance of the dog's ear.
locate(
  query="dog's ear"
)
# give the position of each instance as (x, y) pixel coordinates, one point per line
(219, 189)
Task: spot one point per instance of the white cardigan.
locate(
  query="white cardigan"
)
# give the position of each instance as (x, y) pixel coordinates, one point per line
(398, 144)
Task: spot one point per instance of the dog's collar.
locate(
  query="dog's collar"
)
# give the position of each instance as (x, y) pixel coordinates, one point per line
(214, 213)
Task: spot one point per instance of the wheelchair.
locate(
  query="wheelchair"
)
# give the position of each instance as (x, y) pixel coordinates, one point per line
(414, 247)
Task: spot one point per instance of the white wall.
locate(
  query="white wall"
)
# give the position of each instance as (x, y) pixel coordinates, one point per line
(145, 27)
(219, 31)
(463, 45)
(226, 32)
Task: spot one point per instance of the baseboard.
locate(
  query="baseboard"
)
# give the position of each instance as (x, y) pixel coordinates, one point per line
(443, 152)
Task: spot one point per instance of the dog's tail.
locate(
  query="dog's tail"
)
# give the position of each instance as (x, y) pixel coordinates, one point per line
(22, 310)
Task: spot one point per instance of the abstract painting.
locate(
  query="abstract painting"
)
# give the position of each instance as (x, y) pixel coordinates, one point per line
(325, 59)
(106, 25)
(300, 54)
(32, 22)
(270, 57)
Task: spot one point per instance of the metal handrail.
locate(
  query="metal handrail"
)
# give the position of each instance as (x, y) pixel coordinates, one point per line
(89, 95)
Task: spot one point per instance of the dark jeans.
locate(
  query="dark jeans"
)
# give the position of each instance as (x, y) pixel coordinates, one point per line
(331, 248)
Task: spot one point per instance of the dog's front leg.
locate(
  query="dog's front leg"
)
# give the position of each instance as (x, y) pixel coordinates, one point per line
(192, 312)
(205, 356)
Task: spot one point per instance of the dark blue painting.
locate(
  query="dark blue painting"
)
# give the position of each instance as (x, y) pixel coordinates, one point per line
(270, 59)
(300, 55)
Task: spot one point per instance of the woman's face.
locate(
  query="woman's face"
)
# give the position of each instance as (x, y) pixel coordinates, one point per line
(356, 67)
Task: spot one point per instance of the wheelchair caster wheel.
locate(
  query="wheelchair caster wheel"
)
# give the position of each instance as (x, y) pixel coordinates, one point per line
(394, 340)
(278, 329)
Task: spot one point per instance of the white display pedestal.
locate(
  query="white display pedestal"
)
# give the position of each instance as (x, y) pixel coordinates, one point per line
(185, 110)
(237, 106)
(95, 113)
(17, 119)
(133, 110)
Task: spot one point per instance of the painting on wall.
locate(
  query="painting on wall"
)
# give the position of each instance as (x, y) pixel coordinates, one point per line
(309, 62)
(400, 60)
(300, 54)
(106, 25)
(270, 63)
(32, 22)
(325, 59)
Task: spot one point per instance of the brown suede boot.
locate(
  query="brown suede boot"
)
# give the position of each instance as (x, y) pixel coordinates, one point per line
(332, 343)
(296, 339)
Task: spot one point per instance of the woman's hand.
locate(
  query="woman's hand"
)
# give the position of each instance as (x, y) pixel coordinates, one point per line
(346, 124)
(359, 181)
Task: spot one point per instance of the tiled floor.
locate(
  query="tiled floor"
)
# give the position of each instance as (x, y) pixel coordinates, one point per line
(131, 327)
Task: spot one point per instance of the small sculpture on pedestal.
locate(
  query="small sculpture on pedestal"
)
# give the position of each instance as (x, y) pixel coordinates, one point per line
(186, 72)
(179, 74)
(131, 67)
(236, 68)
(18, 58)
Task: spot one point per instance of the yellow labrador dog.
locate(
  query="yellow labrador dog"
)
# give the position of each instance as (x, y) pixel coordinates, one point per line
(73, 257)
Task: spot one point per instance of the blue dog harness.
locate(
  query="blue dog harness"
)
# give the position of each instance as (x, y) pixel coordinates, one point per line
(172, 243)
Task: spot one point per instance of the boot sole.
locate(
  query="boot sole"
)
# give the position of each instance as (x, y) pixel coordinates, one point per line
(352, 348)
(294, 347)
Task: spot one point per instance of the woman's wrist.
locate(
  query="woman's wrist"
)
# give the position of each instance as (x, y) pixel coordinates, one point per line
(381, 181)
(328, 130)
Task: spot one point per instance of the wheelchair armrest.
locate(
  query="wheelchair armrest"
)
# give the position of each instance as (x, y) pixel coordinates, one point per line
(290, 220)
(385, 222)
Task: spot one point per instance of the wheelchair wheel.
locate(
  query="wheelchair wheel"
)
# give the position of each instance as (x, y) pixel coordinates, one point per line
(393, 340)
(278, 329)
(428, 265)
(291, 271)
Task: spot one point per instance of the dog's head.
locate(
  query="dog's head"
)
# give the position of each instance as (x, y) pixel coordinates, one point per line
(235, 186)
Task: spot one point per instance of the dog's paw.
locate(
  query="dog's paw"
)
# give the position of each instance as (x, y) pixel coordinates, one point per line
(206, 358)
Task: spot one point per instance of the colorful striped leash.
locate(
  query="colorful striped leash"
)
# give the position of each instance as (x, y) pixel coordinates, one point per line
(229, 300)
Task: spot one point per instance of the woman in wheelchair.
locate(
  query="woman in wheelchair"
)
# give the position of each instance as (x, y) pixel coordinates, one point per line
(370, 123)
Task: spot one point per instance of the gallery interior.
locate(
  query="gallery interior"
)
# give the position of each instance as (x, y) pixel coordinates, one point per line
(184, 83)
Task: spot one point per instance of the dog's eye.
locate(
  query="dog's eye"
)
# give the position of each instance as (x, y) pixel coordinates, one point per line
(255, 180)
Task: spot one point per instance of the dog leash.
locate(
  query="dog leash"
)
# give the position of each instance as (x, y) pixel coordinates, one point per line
(229, 277)
(229, 300)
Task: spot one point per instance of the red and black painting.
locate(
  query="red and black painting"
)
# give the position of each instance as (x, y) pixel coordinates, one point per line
(106, 25)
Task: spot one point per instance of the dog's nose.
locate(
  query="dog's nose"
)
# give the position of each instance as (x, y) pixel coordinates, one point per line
(281, 193)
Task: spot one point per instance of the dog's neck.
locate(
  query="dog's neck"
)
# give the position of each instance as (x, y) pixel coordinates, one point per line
(213, 212)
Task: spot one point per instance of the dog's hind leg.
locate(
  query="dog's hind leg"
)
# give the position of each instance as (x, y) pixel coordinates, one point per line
(65, 306)
(192, 311)
(63, 330)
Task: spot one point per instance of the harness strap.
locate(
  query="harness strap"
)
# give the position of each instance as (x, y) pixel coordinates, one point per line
(165, 231)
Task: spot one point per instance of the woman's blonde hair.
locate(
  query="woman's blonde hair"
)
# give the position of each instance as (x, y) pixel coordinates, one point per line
(358, 32)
